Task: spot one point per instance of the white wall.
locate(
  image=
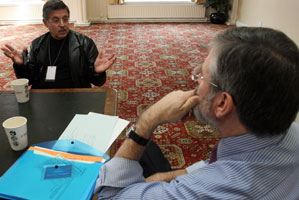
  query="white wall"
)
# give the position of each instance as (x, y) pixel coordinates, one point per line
(14, 13)
(20, 13)
(277, 14)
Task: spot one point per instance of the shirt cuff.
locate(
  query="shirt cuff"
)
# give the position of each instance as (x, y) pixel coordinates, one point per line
(196, 166)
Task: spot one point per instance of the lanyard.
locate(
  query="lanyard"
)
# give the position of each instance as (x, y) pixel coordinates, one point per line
(49, 50)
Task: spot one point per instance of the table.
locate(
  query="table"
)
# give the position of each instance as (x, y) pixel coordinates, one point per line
(48, 112)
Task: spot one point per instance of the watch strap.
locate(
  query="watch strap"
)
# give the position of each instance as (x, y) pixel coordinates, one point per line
(138, 139)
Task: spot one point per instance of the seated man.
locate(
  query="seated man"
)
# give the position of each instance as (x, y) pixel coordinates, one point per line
(60, 58)
(248, 89)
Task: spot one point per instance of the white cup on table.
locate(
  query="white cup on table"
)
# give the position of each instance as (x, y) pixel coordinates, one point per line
(20, 87)
(16, 131)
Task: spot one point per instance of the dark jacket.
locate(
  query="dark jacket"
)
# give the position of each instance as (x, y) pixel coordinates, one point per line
(82, 55)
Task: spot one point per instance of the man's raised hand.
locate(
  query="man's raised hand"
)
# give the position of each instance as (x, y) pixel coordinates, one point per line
(15, 55)
(103, 63)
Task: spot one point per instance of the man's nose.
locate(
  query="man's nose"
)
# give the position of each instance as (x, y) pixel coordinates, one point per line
(61, 23)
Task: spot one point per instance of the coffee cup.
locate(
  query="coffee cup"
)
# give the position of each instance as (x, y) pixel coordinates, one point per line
(20, 87)
(16, 131)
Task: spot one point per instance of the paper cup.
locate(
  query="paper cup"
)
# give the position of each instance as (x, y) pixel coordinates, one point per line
(16, 131)
(20, 86)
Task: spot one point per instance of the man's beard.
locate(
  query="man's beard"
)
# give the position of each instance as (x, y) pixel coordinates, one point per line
(203, 108)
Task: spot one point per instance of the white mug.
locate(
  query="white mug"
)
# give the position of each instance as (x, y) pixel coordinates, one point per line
(20, 86)
(16, 131)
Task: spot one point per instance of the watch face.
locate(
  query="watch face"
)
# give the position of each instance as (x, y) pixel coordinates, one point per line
(135, 137)
(129, 130)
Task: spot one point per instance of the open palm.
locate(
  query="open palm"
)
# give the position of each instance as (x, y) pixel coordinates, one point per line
(13, 54)
(103, 63)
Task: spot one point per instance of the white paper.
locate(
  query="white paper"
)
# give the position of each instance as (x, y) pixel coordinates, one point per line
(97, 130)
(121, 124)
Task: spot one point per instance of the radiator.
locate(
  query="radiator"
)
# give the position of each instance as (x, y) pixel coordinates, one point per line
(156, 11)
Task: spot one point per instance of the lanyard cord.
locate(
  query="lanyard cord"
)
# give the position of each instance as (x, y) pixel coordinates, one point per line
(49, 50)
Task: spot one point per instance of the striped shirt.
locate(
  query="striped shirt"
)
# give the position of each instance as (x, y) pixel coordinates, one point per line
(248, 167)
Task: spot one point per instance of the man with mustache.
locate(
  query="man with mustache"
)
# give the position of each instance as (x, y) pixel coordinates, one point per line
(248, 89)
(60, 58)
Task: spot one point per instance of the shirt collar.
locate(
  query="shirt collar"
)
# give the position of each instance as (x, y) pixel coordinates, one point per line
(245, 143)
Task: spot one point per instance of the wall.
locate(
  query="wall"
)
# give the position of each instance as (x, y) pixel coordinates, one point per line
(281, 15)
(21, 13)
(97, 10)
(15, 13)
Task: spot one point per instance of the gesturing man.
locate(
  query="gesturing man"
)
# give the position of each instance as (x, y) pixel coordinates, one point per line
(248, 89)
(60, 58)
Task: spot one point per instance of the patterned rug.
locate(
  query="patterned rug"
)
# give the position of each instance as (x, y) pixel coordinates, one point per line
(153, 60)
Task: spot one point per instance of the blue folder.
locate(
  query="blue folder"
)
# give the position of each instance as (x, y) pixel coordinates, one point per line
(37, 175)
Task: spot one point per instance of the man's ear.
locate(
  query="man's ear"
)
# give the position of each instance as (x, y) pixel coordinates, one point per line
(45, 23)
(223, 104)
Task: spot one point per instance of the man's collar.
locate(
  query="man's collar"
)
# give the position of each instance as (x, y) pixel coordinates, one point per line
(245, 143)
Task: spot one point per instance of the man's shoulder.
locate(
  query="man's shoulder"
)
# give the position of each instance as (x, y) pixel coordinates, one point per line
(293, 132)
(80, 36)
(37, 41)
(295, 126)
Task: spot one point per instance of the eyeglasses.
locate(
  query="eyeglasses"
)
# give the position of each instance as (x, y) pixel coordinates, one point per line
(196, 77)
(56, 21)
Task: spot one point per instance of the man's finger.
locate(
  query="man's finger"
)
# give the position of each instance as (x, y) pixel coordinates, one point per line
(110, 62)
(108, 58)
(100, 53)
(111, 56)
(191, 102)
(7, 54)
(5, 50)
(189, 116)
(190, 93)
(9, 47)
(103, 67)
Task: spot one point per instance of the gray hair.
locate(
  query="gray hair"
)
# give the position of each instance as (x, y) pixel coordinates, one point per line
(259, 67)
(52, 5)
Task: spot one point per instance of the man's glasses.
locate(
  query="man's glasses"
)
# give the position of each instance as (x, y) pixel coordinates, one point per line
(196, 77)
(56, 21)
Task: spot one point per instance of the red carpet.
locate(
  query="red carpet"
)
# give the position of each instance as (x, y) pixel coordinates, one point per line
(153, 60)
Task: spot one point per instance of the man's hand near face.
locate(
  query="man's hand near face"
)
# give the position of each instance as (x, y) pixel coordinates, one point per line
(171, 108)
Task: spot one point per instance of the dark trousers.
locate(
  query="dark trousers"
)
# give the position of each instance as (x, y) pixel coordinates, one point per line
(153, 160)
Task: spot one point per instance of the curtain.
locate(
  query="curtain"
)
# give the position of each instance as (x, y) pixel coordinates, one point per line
(116, 1)
(199, 1)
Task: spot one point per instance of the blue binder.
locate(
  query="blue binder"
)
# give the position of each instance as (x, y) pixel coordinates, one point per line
(37, 174)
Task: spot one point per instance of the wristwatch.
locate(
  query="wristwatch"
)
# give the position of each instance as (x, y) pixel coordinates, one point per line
(136, 138)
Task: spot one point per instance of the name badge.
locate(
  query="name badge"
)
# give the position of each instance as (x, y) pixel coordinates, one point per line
(51, 73)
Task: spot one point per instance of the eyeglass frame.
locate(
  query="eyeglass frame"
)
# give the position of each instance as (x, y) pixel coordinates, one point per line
(196, 77)
(65, 20)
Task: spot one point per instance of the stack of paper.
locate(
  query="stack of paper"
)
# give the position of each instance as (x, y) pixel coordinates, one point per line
(97, 130)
